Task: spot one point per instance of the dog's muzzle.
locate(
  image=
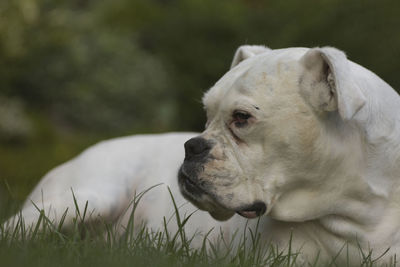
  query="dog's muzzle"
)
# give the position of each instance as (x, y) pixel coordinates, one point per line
(188, 186)
(197, 151)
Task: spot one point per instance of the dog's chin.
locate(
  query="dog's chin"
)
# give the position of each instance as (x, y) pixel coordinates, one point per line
(199, 197)
(221, 215)
(205, 201)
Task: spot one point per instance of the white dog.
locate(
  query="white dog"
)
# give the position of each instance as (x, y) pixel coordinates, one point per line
(303, 137)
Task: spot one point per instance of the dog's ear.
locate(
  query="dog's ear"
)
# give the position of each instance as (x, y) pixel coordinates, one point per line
(247, 51)
(327, 84)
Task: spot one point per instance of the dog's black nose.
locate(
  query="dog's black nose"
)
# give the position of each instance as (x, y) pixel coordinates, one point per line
(197, 146)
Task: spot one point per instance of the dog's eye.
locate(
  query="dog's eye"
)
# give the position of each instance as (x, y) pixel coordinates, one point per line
(240, 118)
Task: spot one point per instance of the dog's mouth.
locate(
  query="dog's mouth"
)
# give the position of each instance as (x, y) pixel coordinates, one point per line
(203, 200)
(188, 187)
(255, 210)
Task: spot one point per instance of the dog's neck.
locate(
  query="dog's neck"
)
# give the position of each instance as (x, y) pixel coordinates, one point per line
(379, 124)
(371, 211)
(356, 216)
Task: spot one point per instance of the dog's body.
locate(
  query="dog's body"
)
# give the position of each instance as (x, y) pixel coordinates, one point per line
(303, 135)
(110, 176)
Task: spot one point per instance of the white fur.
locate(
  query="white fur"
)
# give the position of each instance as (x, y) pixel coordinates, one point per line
(108, 176)
(323, 152)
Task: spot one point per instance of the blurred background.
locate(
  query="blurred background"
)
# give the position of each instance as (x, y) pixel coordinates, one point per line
(73, 72)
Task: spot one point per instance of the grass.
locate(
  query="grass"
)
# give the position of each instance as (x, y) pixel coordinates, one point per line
(47, 244)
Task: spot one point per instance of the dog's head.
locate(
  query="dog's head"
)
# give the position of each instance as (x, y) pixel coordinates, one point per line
(277, 138)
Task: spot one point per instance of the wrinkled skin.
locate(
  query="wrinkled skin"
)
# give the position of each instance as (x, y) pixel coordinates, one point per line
(292, 134)
(271, 159)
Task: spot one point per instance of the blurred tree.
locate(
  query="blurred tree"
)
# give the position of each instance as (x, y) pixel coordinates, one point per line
(80, 73)
(14, 124)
